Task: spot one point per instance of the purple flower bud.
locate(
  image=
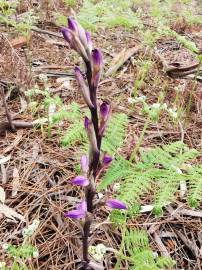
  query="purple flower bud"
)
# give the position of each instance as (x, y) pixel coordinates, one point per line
(82, 206)
(72, 25)
(80, 181)
(97, 62)
(89, 42)
(83, 87)
(104, 115)
(66, 34)
(75, 214)
(79, 212)
(84, 163)
(86, 122)
(115, 204)
(104, 110)
(91, 136)
(106, 160)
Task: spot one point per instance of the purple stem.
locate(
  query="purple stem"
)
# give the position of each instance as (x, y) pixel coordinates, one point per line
(90, 189)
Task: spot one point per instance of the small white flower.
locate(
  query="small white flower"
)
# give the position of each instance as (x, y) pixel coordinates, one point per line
(172, 113)
(140, 99)
(5, 246)
(100, 195)
(116, 187)
(97, 252)
(35, 254)
(2, 264)
(31, 228)
(156, 106)
(164, 106)
(131, 100)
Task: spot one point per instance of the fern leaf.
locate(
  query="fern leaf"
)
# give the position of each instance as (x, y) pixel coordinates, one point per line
(168, 187)
(195, 189)
(115, 133)
(134, 186)
(75, 133)
(119, 169)
(141, 256)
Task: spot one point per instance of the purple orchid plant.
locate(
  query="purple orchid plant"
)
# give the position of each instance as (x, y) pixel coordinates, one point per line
(80, 41)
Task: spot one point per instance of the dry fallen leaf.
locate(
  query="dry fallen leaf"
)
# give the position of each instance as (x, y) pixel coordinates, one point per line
(16, 182)
(120, 59)
(4, 159)
(19, 42)
(10, 213)
(2, 195)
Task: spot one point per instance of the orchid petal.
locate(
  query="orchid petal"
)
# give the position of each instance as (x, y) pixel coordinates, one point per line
(96, 58)
(72, 24)
(84, 163)
(82, 206)
(66, 34)
(83, 87)
(80, 181)
(115, 204)
(106, 160)
(75, 214)
(104, 110)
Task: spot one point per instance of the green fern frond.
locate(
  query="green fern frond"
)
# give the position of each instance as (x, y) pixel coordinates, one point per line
(195, 188)
(115, 133)
(136, 240)
(119, 169)
(74, 134)
(164, 262)
(167, 188)
(141, 256)
(158, 169)
(168, 156)
(133, 187)
(70, 113)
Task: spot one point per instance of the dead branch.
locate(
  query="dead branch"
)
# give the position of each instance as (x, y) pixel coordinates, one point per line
(8, 115)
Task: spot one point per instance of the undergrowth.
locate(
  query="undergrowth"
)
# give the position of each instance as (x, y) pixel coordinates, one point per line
(158, 171)
(140, 256)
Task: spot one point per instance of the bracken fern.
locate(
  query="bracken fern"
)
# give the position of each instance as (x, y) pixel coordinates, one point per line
(141, 256)
(159, 170)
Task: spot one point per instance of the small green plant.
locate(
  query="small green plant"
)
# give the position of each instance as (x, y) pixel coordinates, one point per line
(108, 13)
(20, 254)
(139, 255)
(7, 8)
(70, 3)
(8, 16)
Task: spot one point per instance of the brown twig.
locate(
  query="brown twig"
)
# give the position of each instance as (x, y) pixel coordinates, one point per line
(4, 126)
(8, 115)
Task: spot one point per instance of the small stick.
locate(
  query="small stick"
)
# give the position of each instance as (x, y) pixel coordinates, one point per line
(8, 115)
